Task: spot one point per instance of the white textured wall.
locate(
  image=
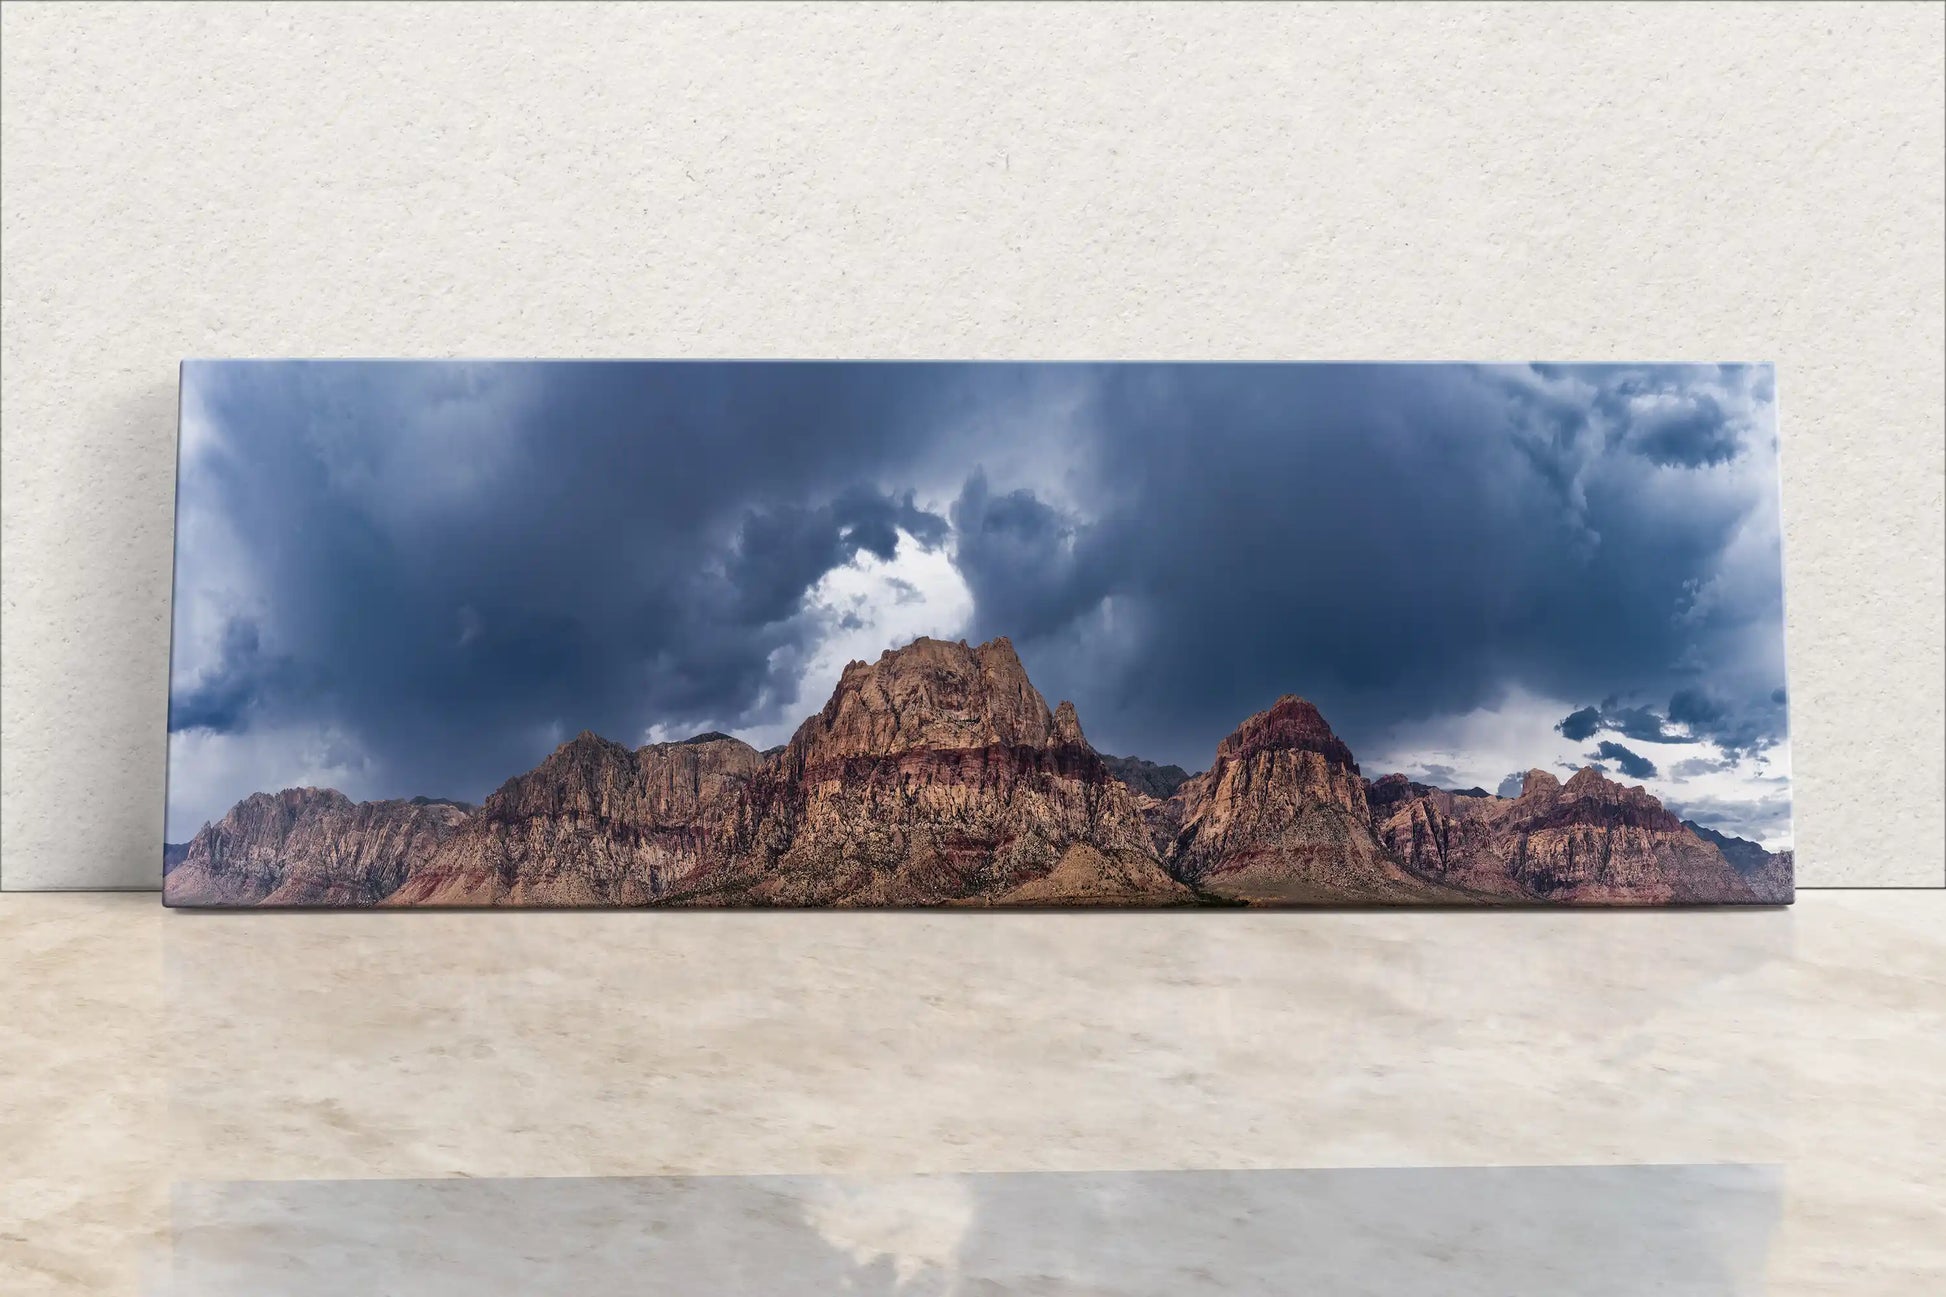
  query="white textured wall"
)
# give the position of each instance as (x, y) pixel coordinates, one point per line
(1687, 182)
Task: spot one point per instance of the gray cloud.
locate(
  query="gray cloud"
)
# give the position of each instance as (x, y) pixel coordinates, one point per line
(1032, 569)
(1759, 819)
(1628, 762)
(1641, 724)
(782, 551)
(1581, 724)
(1693, 715)
(1695, 766)
(1692, 434)
(1695, 708)
(1394, 542)
(456, 562)
(242, 682)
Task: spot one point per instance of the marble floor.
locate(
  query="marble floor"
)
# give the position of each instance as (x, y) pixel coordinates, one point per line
(199, 1105)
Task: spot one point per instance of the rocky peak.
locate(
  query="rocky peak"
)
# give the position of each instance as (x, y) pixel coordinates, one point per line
(1146, 777)
(1589, 784)
(1767, 872)
(296, 800)
(308, 846)
(1590, 798)
(1539, 783)
(593, 777)
(1389, 791)
(938, 773)
(268, 816)
(1745, 857)
(588, 775)
(1291, 723)
(584, 748)
(678, 780)
(932, 695)
(1282, 817)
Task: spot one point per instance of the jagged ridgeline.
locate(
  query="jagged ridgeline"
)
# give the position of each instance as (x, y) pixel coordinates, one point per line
(938, 775)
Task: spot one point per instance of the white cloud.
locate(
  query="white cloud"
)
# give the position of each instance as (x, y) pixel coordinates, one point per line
(1483, 746)
(211, 772)
(864, 607)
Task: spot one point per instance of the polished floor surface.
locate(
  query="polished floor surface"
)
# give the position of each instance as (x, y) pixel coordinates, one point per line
(1453, 1231)
(196, 1105)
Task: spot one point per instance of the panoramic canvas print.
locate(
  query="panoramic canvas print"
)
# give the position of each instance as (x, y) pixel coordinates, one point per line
(875, 634)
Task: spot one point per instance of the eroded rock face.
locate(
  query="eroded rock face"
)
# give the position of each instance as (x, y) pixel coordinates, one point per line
(1445, 836)
(309, 846)
(1588, 841)
(1146, 777)
(1290, 725)
(1770, 874)
(1281, 817)
(594, 824)
(1591, 840)
(938, 774)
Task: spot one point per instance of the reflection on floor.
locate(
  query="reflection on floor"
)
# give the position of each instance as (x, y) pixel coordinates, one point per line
(1106, 1101)
(1683, 1231)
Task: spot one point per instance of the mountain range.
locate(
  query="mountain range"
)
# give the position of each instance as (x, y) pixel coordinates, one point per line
(938, 775)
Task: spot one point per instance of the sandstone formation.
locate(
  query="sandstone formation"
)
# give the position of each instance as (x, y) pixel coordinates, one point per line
(594, 824)
(938, 775)
(1588, 841)
(1146, 777)
(309, 846)
(1447, 836)
(1769, 873)
(1281, 817)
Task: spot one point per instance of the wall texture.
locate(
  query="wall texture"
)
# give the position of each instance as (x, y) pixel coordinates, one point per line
(1682, 182)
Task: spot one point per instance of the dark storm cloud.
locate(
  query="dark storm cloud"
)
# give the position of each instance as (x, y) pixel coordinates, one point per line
(460, 560)
(782, 552)
(1734, 730)
(1674, 425)
(1695, 435)
(1641, 724)
(1694, 708)
(1628, 762)
(1512, 784)
(243, 680)
(1031, 569)
(1580, 725)
(1394, 542)
(1693, 715)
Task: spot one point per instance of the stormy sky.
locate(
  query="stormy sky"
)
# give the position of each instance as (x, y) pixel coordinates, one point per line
(398, 579)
